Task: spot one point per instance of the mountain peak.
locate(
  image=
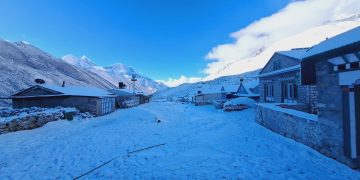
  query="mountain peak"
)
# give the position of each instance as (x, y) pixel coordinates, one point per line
(82, 62)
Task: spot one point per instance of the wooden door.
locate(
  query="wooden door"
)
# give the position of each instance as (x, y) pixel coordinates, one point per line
(357, 114)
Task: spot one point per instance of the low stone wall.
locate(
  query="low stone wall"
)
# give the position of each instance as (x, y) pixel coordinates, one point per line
(12, 120)
(298, 128)
(303, 128)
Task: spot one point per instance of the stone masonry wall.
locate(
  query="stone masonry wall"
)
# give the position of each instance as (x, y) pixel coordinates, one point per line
(28, 118)
(312, 133)
(329, 106)
(302, 130)
(307, 94)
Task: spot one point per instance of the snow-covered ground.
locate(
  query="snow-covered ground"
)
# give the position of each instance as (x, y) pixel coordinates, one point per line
(201, 142)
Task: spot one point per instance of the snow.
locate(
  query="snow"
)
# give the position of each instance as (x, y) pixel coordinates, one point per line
(78, 91)
(201, 143)
(220, 89)
(337, 60)
(349, 77)
(241, 101)
(294, 53)
(344, 39)
(32, 112)
(124, 92)
(275, 107)
(280, 71)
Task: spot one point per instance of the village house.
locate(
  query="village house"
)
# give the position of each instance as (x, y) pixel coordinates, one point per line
(333, 66)
(331, 71)
(128, 98)
(86, 99)
(222, 93)
(279, 81)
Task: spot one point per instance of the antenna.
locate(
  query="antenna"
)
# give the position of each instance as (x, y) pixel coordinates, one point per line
(133, 79)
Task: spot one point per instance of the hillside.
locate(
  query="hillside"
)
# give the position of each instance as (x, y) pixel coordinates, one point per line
(189, 90)
(21, 63)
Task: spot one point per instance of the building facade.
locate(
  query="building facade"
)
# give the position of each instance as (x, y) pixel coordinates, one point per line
(85, 99)
(334, 67)
(279, 81)
(327, 79)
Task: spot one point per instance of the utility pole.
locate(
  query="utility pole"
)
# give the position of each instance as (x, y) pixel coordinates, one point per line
(133, 79)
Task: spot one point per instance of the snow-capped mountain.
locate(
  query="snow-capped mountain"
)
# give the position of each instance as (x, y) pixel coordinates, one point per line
(307, 38)
(116, 73)
(188, 90)
(21, 63)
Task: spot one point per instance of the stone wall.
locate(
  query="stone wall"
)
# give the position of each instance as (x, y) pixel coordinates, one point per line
(308, 95)
(28, 118)
(330, 109)
(313, 133)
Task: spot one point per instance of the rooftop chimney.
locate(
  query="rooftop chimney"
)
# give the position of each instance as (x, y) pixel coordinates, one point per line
(122, 85)
(241, 80)
(39, 81)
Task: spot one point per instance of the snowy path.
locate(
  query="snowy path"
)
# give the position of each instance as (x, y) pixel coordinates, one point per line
(201, 143)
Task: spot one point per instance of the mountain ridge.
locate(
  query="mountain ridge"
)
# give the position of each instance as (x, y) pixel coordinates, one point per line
(116, 73)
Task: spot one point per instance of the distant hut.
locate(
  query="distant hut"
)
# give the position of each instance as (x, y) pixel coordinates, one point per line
(85, 99)
(248, 89)
(127, 98)
(221, 93)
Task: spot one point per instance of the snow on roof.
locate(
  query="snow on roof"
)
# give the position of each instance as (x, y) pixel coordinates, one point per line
(248, 86)
(124, 92)
(217, 89)
(344, 39)
(251, 84)
(297, 53)
(275, 107)
(78, 90)
(280, 71)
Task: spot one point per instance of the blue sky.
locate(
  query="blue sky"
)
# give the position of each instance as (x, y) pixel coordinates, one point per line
(158, 38)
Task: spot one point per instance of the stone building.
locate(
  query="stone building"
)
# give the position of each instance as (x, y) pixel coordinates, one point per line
(334, 67)
(85, 99)
(279, 81)
(330, 71)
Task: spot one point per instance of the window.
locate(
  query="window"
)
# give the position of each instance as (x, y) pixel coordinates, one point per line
(269, 92)
(289, 92)
(277, 65)
(107, 104)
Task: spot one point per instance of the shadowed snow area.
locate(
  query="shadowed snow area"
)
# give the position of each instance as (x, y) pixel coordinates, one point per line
(201, 142)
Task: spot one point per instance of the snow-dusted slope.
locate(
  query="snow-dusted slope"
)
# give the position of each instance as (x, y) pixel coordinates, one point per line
(21, 63)
(189, 90)
(116, 73)
(306, 38)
